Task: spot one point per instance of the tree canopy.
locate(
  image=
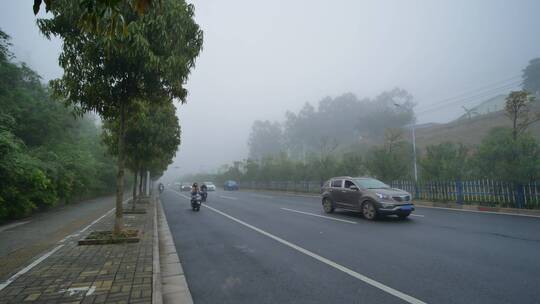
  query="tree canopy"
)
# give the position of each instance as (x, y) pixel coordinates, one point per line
(108, 75)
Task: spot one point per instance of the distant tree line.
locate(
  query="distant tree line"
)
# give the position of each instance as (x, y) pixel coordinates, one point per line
(350, 136)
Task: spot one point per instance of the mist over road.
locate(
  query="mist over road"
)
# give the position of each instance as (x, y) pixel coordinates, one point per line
(262, 247)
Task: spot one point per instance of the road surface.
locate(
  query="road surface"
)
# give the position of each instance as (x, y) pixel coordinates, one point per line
(265, 247)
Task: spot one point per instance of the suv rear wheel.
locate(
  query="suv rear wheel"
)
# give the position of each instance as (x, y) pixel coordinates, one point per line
(327, 205)
(369, 211)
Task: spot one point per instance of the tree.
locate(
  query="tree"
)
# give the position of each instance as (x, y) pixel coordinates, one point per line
(446, 161)
(104, 17)
(392, 136)
(501, 156)
(151, 62)
(517, 109)
(152, 139)
(531, 77)
(390, 165)
(265, 139)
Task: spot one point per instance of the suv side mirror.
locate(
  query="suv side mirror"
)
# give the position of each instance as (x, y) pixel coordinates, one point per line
(353, 187)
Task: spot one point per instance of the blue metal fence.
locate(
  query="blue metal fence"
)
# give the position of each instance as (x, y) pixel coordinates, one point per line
(481, 191)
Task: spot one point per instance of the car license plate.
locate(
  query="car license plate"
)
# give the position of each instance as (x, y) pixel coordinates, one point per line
(406, 208)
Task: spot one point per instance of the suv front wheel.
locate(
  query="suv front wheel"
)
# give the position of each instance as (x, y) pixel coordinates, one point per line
(369, 211)
(327, 205)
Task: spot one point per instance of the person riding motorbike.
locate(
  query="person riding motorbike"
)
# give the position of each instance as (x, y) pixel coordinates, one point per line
(194, 189)
(161, 187)
(195, 200)
(204, 192)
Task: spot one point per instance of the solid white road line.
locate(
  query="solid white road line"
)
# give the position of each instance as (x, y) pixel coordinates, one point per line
(27, 268)
(418, 215)
(318, 215)
(367, 280)
(478, 211)
(49, 253)
(363, 278)
(7, 227)
(97, 220)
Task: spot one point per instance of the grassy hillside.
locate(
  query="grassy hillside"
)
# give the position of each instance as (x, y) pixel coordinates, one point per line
(468, 131)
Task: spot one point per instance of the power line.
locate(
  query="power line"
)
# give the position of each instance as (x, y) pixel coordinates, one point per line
(492, 92)
(477, 90)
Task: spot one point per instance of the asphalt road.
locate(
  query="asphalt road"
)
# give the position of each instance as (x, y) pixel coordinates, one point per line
(257, 247)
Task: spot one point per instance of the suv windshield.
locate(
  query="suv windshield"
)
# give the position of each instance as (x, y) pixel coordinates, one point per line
(370, 183)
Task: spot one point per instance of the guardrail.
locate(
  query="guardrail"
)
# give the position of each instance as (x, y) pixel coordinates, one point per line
(483, 192)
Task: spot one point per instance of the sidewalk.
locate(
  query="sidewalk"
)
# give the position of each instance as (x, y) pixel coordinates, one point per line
(118, 273)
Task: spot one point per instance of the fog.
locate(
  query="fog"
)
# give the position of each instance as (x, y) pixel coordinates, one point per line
(262, 58)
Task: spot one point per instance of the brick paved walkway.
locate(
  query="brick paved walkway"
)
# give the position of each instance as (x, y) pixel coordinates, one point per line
(120, 273)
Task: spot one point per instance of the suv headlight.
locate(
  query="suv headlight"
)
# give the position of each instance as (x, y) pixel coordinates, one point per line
(383, 196)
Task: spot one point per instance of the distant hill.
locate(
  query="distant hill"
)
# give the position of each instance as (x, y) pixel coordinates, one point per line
(494, 104)
(469, 131)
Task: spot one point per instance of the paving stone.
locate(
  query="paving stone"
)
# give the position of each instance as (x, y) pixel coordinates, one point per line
(92, 274)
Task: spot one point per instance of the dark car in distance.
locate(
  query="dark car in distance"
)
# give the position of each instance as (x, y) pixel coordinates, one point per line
(230, 185)
(367, 195)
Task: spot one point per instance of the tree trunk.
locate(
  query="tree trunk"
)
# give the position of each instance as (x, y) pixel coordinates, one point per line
(514, 127)
(134, 199)
(119, 220)
(141, 183)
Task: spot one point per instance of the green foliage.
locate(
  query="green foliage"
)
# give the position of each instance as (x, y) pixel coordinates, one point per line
(500, 156)
(390, 164)
(518, 110)
(152, 138)
(45, 154)
(446, 161)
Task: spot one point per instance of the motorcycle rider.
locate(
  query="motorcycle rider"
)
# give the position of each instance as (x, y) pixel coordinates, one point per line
(204, 192)
(161, 187)
(194, 189)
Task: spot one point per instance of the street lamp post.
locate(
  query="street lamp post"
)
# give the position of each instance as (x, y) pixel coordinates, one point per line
(412, 126)
(414, 154)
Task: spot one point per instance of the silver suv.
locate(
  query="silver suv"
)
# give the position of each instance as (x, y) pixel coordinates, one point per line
(367, 195)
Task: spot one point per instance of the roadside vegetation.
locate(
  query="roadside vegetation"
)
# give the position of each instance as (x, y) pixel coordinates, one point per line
(125, 63)
(47, 156)
(351, 136)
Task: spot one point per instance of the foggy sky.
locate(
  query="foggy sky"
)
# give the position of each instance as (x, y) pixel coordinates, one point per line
(262, 58)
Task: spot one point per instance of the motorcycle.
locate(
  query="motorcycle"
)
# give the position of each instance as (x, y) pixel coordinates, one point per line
(196, 202)
(204, 195)
(161, 188)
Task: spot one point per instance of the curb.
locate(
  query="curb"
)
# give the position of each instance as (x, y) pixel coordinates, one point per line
(174, 287)
(437, 205)
(157, 288)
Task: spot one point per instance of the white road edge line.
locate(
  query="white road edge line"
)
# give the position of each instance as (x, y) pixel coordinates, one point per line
(478, 211)
(367, 280)
(318, 215)
(27, 268)
(49, 253)
(10, 226)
